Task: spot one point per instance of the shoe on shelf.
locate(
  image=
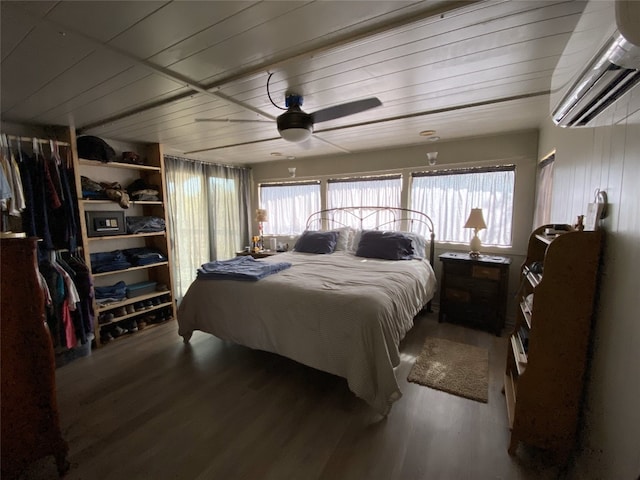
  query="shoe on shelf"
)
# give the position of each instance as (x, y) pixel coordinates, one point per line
(105, 337)
(120, 312)
(117, 331)
(138, 306)
(141, 323)
(155, 301)
(105, 317)
(131, 326)
(130, 309)
(148, 304)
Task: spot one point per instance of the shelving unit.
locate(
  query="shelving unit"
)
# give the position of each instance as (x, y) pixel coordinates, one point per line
(546, 361)
(153, 173)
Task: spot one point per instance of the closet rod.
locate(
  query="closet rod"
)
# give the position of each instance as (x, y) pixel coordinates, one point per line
(39, 140)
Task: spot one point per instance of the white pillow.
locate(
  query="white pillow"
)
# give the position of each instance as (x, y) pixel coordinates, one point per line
(345, 238)
(355, 240)
(419, 244)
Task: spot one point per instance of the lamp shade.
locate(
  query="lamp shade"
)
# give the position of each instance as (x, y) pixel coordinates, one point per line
(261, 215)
(295, 135)
(475, 220)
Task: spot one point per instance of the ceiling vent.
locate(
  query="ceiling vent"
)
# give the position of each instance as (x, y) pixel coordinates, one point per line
(611, 73)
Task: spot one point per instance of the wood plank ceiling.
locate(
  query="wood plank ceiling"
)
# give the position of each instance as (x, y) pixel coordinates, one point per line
(145, 71)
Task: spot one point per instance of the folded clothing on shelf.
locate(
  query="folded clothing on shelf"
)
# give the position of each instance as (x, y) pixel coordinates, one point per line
(145, 224)
(140, 190)
(144, 256)
(141, 288)
(114, 292)
(109, 261)
(92, 189)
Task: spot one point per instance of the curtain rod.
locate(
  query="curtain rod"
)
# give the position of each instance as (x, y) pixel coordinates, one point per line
(203, 162)
(39, 140)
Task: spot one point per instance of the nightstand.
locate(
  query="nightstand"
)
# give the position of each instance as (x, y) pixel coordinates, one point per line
(473, 290)
(262, 254)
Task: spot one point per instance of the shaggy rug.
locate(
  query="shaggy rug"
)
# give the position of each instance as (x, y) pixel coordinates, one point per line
(453, 367)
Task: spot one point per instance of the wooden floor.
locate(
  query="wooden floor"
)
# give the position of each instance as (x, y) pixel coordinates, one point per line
(151, 407)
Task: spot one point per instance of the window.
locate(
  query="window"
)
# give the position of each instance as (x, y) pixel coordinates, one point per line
(288, 206)
(205, 212)
(544, 189)
(381, 191)
(448, 196)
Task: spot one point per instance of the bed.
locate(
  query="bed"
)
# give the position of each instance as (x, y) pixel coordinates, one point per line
(340, 313)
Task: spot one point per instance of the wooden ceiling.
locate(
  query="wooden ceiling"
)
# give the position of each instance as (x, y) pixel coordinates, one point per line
(144, 71)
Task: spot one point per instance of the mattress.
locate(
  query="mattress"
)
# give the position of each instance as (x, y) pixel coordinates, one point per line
(338, 313)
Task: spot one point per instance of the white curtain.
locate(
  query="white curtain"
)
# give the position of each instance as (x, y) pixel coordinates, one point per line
(365, 192)
(208, 211)
(544, 189)
(448, 197)
(288, 206)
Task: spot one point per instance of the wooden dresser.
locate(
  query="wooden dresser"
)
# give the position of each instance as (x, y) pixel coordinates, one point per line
(29, 415)
(473, 290)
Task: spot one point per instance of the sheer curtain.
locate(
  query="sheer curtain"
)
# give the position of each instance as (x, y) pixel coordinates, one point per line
(448, 196)
(382, 191)
(288, 206)
(208, 211)
(544, 189)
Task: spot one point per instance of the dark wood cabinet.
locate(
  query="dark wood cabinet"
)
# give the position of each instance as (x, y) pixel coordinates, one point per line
(473, 290)
(29, 413)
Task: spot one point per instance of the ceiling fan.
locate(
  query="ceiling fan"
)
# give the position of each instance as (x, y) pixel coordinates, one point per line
(296, 125)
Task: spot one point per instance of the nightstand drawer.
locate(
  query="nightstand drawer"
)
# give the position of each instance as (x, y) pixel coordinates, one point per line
(457, 295)
(490, 273)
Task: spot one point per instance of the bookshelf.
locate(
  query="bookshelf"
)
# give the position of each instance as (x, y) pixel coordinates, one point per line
(547, 355)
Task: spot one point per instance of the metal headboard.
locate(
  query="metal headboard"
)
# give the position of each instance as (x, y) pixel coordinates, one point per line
(373, 218)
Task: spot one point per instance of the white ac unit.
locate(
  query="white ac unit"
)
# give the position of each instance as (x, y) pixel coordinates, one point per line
(580, 94)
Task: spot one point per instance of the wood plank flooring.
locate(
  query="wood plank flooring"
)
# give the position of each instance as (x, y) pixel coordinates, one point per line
(151, 407)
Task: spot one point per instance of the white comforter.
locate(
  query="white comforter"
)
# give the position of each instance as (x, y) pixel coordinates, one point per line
(338, 313)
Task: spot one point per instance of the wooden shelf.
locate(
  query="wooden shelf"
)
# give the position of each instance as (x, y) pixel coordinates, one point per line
(131, 269)
(128, 166)
(518, 354)
(148, 327)
(132, 235)
(88, 201)
(526, 313)
(510, 397)
(544, 384)
(160, 272)
(138, 313)
(533, 278)
(129, 301)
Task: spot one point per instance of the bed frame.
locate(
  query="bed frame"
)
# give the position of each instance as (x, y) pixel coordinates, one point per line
(383, 218)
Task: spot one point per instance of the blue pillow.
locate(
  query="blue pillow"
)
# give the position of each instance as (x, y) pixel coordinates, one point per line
(317, 242)
(385, 245)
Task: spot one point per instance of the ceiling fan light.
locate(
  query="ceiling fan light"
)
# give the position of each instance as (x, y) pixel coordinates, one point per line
(296, 135)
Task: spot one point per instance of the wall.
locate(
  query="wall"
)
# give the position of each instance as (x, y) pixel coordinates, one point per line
(607, 157)
(519, 148)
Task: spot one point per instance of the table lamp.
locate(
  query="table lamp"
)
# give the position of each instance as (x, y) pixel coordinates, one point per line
(475, 221)
(261, 217)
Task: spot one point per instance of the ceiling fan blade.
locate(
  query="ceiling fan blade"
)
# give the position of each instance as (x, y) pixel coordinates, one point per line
(230, 120)
(345, 109)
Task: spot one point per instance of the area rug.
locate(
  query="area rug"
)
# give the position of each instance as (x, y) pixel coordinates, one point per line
(453, 367)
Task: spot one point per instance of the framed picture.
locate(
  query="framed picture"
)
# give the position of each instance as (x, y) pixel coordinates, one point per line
(591, 219)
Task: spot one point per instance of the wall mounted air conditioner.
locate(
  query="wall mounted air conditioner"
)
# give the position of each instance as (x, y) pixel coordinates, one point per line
(580, 94)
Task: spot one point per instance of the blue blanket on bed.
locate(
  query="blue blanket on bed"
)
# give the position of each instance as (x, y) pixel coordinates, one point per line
(240, 268)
